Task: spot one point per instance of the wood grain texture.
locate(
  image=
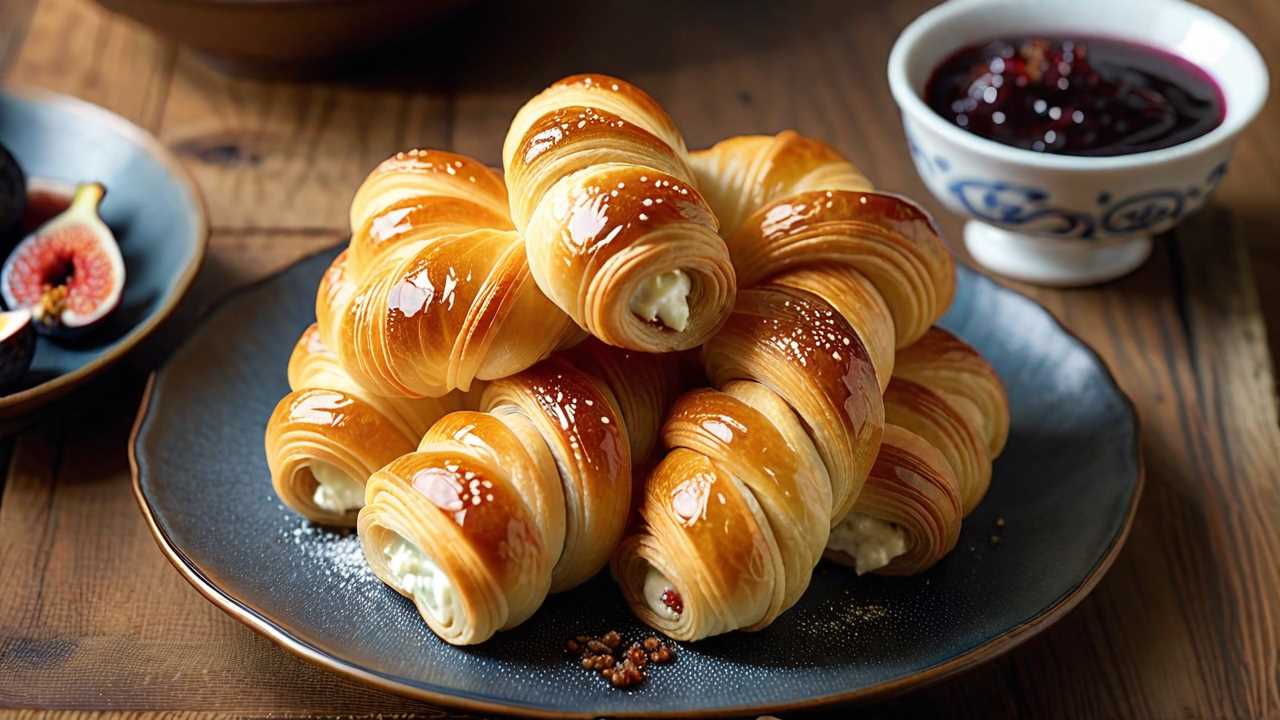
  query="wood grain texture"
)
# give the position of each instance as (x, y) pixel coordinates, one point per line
(96, 617)
(14, 18)
(1185, 625)
(75, 48)
(284, 157)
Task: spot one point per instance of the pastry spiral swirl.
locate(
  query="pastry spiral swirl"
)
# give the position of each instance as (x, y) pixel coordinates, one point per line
(616, 233)
(434, 275)
(948, 394)
(947, 419)
(742, 174)
(329, 434)
(528, 496)
(738, 512)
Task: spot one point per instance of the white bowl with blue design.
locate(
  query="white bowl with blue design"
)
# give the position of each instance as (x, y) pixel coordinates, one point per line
(1068, 220)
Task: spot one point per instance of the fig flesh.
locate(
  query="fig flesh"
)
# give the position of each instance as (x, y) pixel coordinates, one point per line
(17, 346)
(69, 272)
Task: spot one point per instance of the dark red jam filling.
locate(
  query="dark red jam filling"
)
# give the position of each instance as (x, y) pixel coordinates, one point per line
(672, 599)
(1082, 96)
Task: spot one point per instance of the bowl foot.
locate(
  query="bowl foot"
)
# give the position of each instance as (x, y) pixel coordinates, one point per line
(1056, 262)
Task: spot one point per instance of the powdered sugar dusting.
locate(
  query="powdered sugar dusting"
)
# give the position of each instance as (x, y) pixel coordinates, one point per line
(336, 551)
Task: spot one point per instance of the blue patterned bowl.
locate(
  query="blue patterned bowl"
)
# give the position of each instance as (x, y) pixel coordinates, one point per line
(1058, 219)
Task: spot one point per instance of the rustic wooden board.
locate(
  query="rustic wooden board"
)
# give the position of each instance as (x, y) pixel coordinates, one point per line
(1186, 624)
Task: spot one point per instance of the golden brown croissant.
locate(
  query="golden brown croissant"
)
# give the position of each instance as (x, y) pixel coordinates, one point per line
(950, 418)
(738, 513)
(497, 508)
(616, 233)
(434, 276)
(742, 174)
(817, 210)
(908, 515)
(328, 435)
(950, 367)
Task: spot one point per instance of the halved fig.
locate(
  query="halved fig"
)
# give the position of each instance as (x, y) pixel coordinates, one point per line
(13, 195)
(46, 200)
(69, 273)
(17, 346)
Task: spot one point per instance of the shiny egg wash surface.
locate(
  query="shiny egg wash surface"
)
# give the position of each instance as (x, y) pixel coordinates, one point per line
(1084, 96)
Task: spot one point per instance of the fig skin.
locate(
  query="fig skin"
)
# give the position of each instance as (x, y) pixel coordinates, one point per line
(13, 198)
(69, 272)
(17, 346)
(46, 200)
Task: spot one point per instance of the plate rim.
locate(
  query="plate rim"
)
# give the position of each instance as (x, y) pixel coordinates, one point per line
(984, 652)
(31, 399)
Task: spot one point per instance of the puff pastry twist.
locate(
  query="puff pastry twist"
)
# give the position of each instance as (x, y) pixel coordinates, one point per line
(328, 435)
(497, 508)
(616, 233)
(762, 467)
(434, 275)
(947, 418)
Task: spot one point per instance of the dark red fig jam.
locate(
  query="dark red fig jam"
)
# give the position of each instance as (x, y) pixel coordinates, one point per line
(1083, 96)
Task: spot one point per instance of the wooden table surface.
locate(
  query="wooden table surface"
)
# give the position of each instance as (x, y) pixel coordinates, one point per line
(1187, 622)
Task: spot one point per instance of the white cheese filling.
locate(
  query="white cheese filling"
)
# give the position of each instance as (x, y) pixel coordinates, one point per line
(417, 575)
(335, 491)
(664, 297)
(871, 542)
(655, 584)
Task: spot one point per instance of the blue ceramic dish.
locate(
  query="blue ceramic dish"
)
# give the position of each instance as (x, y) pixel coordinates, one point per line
(1066, 486)
(151, 206)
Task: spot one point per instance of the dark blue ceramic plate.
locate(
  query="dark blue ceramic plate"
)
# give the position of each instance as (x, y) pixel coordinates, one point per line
(1067, 486)
(151, 206)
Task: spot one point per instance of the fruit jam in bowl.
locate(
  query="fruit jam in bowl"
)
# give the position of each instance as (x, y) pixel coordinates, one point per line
(1070, 132)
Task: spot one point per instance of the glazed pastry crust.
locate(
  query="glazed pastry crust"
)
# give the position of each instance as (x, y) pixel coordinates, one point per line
(948, 394)
(950, 418)
(643, 384)
(586, 436)
(807, 353)
(549, 453)
(470, 516)
(703, 507)
(950, 367)
(434, 276)
(603, 194)
(912, 487)
(748, 447)
(836, 278)
(742, 174)
(887, 239)
(329, 418)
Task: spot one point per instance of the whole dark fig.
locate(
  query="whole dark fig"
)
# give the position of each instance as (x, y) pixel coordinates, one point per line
(13, 197)
(17, 346)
